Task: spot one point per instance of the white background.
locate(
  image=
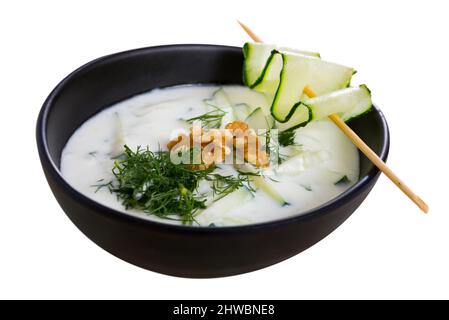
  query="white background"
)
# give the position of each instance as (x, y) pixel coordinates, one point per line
(387, 249)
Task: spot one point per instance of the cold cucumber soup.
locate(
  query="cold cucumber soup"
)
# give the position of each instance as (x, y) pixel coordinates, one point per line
(290, 172)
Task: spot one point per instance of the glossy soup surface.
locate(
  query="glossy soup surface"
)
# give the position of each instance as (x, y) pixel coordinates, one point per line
(307, 178)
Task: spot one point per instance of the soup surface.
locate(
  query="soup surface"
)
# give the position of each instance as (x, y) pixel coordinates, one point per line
(320, 164)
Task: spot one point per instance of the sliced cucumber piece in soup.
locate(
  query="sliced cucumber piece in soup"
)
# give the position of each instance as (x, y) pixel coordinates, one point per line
(270, 120)
(118, 146)
(231, 201)
(258, 120)
(260, 183)
(298, 71)
(221, 100)
(268, 188)
(241, 111)
(263, 64)
(348, 103)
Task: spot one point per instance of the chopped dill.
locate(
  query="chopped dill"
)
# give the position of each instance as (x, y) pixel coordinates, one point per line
(149, 181)
(224, 185)
(343, 180)
(271, 179)
(211, 119)
(272, 146)
(120, 156)
(307, 187)
(100, 185)
(248, 173)
(286, 138)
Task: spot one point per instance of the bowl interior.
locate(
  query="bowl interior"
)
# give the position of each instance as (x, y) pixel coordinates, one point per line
(111, 79)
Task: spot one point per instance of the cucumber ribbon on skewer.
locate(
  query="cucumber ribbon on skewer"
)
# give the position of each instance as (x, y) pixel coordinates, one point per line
(282, 74)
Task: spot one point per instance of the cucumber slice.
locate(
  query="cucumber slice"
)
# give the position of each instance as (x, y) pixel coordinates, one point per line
(241, 111)
(257, 57)
(270, 120)
(292, 167)
(263, 64)
(119, 138)
(348, 103)
(299, 71)
(268, 80)
(300, 117)
(221, 100)
(268, 188)
(257, 120)
(231, 201)
(361, 108)
(260, 183)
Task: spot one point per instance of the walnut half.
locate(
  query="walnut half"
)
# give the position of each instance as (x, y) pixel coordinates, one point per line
(217, 144)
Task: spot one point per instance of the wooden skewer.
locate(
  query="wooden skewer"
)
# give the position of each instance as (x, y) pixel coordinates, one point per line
(249, 32)
(367, 151)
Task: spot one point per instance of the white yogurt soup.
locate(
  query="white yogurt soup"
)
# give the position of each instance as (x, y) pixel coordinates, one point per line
(317, 164)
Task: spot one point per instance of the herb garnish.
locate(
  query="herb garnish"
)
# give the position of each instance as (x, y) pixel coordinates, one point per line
(211, 119)
(343, 180)
(224, 185)
(149, 181)
(307, 187)
(286, 138)
(101, 185)
(272, 145)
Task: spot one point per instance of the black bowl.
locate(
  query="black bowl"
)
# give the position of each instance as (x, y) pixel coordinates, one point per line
(182, 250)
